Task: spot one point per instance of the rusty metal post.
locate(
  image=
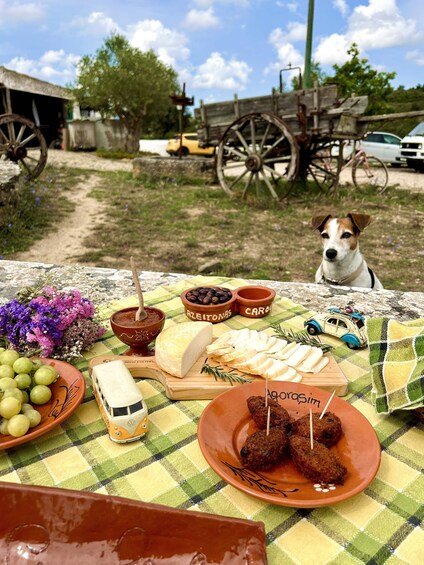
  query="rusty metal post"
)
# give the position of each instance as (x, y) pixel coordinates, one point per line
(181, 101)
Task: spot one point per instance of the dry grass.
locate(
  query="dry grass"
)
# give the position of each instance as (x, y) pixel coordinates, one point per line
(176, 226)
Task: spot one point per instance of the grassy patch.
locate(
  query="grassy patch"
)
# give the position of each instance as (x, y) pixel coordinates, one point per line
(174, 225)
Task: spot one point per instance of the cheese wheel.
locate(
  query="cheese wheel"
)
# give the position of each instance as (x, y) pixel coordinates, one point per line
(178, 347)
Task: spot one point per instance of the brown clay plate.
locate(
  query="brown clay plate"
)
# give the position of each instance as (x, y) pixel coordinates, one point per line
(226, 422)
(67, 394)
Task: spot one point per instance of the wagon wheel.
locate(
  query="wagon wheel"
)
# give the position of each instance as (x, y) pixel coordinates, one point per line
(259, 152)
(321, 163)
(22, 142)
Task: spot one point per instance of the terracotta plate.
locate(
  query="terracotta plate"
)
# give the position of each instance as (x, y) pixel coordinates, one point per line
(226, 422)
(67, 394)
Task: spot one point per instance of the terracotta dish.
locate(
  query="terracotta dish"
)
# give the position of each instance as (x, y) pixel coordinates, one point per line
(137, 334)
(254, 301)
(221, 438)
(67, 394)
(61, 526)
(214, 313)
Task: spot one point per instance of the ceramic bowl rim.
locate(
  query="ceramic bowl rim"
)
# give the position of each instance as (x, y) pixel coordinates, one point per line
(205, 308)
(250, 301)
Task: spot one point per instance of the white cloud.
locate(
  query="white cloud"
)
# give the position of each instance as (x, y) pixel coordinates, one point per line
(216, 72)
(287, 53)
(376, 25)
(290, 6)
(341, 6)
(169, 45)
(296, 31)
(332, 50)
(12, 12)
(201, 19)
(53, 66)
(416, 56)
(97, 23)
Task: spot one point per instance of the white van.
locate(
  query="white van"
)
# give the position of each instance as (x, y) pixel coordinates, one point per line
(412, 148)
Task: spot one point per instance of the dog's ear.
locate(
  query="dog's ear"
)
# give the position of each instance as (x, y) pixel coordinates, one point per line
(361, 221)
(318, 221)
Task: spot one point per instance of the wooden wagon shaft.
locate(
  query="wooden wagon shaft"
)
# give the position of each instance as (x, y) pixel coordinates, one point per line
(389, 117)
(315, 112)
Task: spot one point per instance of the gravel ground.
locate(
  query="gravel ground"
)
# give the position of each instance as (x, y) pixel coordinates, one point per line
(403, 178)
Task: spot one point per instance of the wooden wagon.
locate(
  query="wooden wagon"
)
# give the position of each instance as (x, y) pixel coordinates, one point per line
(31, 114)
(270, 141)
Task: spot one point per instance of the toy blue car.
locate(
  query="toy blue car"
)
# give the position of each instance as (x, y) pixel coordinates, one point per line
(348, 325)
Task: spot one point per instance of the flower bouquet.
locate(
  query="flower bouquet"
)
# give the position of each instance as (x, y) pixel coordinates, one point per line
(48, 322)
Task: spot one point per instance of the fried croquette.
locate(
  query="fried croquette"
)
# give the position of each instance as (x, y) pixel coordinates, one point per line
(319, 464)
(327, 430)
(279, 417)
(262, 451)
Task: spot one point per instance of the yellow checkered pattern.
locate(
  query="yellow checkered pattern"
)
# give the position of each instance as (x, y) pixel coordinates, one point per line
(380, 525)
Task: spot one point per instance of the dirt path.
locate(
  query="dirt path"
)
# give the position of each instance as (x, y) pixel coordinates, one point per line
(65, 245)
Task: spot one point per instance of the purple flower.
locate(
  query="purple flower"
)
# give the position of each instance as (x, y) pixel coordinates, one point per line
(52, 324)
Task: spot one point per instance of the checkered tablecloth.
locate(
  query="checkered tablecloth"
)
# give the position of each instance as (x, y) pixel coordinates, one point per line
(380, 525)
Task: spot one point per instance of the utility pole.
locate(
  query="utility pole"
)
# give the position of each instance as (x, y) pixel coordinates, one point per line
(308, 49)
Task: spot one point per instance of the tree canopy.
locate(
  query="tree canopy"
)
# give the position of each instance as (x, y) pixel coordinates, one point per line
(357, 77)
(121, 81)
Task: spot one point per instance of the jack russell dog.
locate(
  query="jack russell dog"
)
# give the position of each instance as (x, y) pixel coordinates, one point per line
(342, 262)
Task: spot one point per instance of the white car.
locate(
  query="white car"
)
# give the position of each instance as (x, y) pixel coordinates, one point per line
(412, 148)
(384, 146)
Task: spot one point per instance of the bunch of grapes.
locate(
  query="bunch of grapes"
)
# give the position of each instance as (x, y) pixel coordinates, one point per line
(23, 383)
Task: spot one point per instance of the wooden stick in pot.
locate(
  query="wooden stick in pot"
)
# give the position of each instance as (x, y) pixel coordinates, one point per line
(141, 313)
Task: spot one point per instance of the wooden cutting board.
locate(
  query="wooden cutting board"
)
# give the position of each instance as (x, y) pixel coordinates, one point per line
(200, 386)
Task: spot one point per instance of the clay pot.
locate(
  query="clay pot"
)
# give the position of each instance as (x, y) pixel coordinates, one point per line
(137, 334)
(214, 313)
(254, 301)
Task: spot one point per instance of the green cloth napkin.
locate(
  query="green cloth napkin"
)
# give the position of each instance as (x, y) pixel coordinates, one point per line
(396, 356)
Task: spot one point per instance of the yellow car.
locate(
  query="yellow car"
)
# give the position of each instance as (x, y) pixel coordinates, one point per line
(189, 146)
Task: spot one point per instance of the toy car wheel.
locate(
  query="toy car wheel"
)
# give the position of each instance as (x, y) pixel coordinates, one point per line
(311, 329)
(352, 345)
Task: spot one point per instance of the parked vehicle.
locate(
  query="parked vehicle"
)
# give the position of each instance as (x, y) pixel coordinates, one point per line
(383, 145)
(189, 146)
(412, 148)
(347, 325)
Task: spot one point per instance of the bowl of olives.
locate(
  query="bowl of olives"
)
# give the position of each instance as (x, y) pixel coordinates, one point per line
(209, 303)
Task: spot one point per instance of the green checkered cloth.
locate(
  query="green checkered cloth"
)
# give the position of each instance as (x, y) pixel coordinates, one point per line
(396, 354)
(380, 525)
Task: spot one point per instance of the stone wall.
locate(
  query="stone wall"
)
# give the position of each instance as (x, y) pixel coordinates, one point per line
(9, 176)
(189, 167)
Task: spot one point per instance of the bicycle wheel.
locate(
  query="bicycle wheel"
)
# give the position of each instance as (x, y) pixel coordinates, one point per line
(370, 171)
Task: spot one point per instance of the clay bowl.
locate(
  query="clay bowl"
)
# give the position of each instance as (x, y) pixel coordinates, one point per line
(254, 301)
(137, 334)
(214, 313)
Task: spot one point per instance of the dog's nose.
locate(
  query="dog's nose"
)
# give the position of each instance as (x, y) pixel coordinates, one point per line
(331, 253)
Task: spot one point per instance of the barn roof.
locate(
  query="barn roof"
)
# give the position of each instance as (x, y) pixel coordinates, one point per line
(18, 81)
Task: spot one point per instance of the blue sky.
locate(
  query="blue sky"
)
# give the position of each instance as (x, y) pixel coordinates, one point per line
(218, 47)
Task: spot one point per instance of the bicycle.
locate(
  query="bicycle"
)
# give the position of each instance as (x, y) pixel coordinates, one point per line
(367, 170)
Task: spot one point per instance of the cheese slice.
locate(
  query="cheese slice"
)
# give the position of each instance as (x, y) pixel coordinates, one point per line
(178, 347)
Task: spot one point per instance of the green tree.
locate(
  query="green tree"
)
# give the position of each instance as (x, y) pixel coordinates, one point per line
(357, 77)
(121, 81)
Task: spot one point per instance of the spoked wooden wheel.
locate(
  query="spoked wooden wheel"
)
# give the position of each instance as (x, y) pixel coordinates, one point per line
(22, 142)
(257, 152)
(321, 163)
(370, 171)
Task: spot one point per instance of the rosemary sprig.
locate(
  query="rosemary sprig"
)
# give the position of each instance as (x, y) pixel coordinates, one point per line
(219, 374)
(300, 337)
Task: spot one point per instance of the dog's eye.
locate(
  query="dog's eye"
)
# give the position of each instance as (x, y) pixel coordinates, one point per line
(346, 235)
(325, 236)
